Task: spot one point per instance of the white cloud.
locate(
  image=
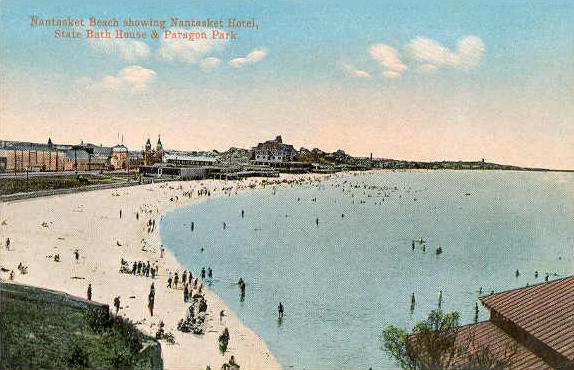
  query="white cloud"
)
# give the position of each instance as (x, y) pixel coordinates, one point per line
(132, 78)
(129, 50)
(388, 58)
(251, 58)
(352, 71)
(427, 68)
(209, 64)
(467, 55)
(391, 74)
(182, 49)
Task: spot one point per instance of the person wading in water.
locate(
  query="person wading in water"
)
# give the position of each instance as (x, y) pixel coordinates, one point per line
(281, 310)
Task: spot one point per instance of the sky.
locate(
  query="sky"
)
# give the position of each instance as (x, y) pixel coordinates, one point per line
(414, 80)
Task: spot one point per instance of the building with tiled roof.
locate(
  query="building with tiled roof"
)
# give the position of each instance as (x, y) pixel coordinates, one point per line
(536, 322)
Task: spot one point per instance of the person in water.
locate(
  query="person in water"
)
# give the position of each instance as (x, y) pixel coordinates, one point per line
(281, 310)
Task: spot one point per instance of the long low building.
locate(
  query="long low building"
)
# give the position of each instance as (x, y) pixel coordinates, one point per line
(20, 156)
(184, 159)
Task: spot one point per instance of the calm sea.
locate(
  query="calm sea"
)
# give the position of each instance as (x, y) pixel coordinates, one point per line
(343, 280)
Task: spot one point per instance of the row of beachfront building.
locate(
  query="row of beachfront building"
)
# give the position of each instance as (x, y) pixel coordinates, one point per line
(18, 156)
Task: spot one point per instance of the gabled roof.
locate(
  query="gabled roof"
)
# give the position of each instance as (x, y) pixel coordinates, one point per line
(487, 335)
(546, 311)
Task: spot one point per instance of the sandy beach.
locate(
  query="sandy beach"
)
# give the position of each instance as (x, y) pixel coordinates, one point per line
(90, 222)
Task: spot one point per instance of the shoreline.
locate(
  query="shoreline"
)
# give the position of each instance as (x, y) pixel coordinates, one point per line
(39, 228)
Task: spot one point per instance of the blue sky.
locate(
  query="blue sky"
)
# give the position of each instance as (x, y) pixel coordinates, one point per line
(427, 80)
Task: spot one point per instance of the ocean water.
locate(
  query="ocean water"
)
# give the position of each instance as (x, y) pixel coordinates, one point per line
(343, 280)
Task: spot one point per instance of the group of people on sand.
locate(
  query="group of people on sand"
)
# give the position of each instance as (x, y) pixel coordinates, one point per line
(139, 268)
(230, 365)
(151, 226)
(23, 269)
(187, 282)
(196, 314)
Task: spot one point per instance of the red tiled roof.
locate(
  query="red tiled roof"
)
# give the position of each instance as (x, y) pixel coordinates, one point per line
(488, 335)
(546, 311)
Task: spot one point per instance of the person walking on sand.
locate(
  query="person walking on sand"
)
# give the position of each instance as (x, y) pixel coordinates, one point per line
(150, 303)
(175, 280)
(117, 304)
(120, 213)
(169, 281)
(89, 293)
(77, 254)
(281, 310)
(7, 244)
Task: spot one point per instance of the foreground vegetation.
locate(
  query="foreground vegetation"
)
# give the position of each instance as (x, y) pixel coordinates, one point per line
(23, 185)
(435, 344)
(38, 332)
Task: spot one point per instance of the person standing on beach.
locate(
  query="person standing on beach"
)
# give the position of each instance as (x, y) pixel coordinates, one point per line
(150, 302)
(185, 293)
(77, 254)
(117, 304)
(169, 281)
(120, 213)
(175, 280)
(89, 293)
(7, 244)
